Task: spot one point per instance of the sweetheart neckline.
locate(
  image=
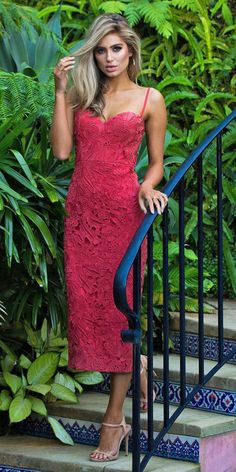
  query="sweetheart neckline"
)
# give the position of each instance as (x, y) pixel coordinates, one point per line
(114, 116)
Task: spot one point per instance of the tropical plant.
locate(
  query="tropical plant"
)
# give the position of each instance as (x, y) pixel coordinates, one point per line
(37, 373)
(191, 285)
(33, 184)
(188, 54)
(32, 191)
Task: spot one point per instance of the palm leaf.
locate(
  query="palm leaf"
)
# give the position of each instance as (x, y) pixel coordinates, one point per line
(23, 181)
(42, 227)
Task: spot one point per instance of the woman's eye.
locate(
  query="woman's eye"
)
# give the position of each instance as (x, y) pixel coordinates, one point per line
(101, 50)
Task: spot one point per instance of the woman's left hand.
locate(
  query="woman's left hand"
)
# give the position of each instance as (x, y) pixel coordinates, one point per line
(151, 197)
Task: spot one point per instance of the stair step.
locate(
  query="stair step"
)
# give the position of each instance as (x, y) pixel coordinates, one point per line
(49, 455)
(210, 321)
(218, 396)
(187, 439)
(225, 378)
(91, 407)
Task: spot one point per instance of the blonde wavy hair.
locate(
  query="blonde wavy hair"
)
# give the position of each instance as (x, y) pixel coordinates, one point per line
(89, 82)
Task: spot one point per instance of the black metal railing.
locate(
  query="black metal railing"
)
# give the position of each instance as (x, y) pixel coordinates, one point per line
(131, 258)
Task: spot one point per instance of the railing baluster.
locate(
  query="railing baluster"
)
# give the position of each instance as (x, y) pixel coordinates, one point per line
(165, 318)
(182, 294)
(220, 248)
(120, 297)
(200, 272)
(136, 367)
(150, 336)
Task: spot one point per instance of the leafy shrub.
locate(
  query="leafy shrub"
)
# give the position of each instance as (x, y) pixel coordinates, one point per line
(188, 54)
(36, 373)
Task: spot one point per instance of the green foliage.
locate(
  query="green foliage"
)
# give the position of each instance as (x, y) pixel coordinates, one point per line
(32, 190)
(13, 16)
(30, 381)
(21, 95)
(188, 54)
(156, 14)
(59, 431)
(191, 283)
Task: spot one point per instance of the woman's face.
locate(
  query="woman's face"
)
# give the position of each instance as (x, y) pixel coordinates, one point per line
(112, 55)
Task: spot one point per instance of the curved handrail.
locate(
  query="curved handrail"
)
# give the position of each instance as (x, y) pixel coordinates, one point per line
(120, 280)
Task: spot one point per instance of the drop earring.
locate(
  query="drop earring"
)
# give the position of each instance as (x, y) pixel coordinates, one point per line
(133, 61)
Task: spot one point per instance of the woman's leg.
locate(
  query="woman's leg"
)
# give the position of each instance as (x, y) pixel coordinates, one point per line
(109, 437)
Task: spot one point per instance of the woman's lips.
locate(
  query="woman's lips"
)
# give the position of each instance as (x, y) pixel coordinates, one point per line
(111, 67)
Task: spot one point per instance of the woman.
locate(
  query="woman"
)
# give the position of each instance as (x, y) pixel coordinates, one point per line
(106, 113)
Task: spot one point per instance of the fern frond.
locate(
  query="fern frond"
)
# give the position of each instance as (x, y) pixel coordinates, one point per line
(229, 138)
(175, 96)
(168, 60)
(13, 17)
(157, 15)
(178, 79)
(193, 43)
(6, 19)
(210, 101)
(207, 34)
(112, 6)
(21, 95)
(185, 4)
(132, 14)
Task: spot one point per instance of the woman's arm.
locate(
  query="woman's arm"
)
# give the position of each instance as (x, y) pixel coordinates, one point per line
(155, 125)
(61, 133)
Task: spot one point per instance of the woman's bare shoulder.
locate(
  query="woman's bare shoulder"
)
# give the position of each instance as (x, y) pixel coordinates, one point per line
(155, 104)
(155, 97)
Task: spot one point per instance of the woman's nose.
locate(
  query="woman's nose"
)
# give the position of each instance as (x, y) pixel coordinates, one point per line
(109, 56)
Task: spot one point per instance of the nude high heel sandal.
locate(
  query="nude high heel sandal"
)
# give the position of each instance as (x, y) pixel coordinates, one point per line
(112, 456)
(143, 371)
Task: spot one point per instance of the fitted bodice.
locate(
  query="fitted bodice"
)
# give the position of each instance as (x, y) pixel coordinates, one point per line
(111, 141)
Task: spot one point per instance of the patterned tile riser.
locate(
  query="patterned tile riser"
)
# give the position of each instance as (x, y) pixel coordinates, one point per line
(172, 446)
(210, 346)
(6, 468)
(215, 400)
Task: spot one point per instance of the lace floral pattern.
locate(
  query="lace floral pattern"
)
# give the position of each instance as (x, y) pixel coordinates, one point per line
(102, 215)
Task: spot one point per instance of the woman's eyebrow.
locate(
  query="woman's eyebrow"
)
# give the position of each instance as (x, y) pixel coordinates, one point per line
(112, 46)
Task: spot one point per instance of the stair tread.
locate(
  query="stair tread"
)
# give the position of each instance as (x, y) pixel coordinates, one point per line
(210, 320)
(91, 407)
(50, 455)
(225, 378)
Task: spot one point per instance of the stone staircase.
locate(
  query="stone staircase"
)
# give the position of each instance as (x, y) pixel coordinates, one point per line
(203, 438)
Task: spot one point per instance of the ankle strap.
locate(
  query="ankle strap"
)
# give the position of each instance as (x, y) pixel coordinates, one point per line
(112, 425)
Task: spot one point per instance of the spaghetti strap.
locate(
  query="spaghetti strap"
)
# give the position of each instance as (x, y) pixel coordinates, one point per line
(145, 101)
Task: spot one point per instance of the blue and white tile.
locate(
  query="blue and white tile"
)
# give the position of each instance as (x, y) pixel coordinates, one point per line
(209, 399)
(8, 468)
(84, 432)
(210, 346)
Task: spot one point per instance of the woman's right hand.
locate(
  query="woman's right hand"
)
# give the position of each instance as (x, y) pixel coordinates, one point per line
(61, 73)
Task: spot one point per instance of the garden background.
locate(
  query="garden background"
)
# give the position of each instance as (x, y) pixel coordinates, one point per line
(188, 51)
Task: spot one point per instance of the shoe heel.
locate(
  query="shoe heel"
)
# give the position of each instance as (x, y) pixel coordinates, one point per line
(127, 444)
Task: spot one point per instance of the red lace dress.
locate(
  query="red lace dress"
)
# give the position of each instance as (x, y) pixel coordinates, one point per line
(102, 215)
